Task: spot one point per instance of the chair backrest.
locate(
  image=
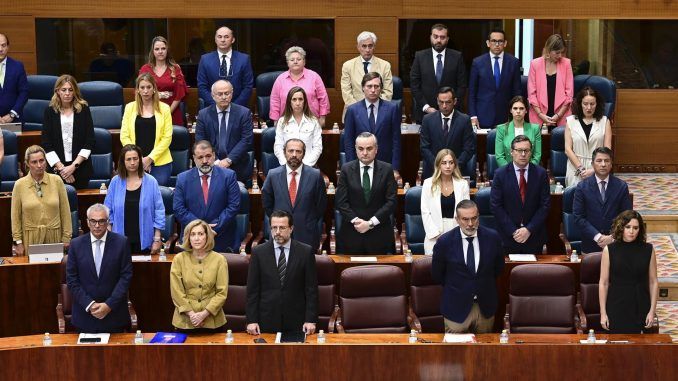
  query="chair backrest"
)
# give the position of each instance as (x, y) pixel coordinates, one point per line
(235, 306)
(242, 219)
(170, 220)
(414, 226)
(342, 154)
(541, 299)
(425, 295)
(268, 158)
(40, 91)
(482, 199)
(372, 299)
(101, 158)
(491, 159)
(589, 276)
(73, 204)
(523, 86)
(105, 101)
(180, 149)
(327, 289)
(66, 297)
(41, 86)
(604, 86)
(398, 93)
(570, 227)
(558, 161)
(264, 85)
(9, 169)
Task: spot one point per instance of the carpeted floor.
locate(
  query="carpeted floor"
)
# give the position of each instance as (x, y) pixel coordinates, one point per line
(653, 193)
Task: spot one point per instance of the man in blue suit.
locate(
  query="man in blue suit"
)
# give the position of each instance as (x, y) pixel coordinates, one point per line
(376, 116)
(98, 273)
(228, 127)
(495, 79)
(210, 193)
(13, 85)
(520, 200)
(299, 190)
(466, 262)
(447, 128)
(225, 63)
(598, 200)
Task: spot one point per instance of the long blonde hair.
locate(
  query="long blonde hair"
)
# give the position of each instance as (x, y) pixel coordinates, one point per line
(137, 97)
(436, 179)
(78, 101)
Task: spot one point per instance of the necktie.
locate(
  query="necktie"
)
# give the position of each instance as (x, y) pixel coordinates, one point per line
(293, 188)
(373, 120)
(602, 190)
(446, 126)
(439, 68)
(365, 66)
(282, 265)
(223, 69)
(205, 188)
(366, 183)
(223, 137)
(497, 71)
(97, 256)
(470, 256)
(523, 184)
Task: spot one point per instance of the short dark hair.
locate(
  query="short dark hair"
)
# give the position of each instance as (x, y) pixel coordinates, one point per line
(283, 214)
(202, 144)
(603, 151)
(122, 170)
(496, 30)
(466, 204)
(600, 103)
(447, 89)
(303, 145)
(370, 76)
(439, 26)
(6, 38)
(518, 139)
(617, 231)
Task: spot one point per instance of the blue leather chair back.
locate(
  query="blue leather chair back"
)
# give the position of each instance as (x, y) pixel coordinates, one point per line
(170, 221)
(9, 169)
(569, 226)
(482, 199)
(242, 219)
(398, 93)
(40, 91)
(414, 226)
(264, 85)
(470, 169)
(180, 149)
(101, 158)
(523, 86)
(342, 154)
(491, 159)
(73, 204)
(250, 165)
(606, 87)
(41, 86)
(558, 161)
(268, 159)
(106, 103)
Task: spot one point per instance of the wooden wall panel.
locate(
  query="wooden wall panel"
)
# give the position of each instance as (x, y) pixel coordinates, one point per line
(347, 29)
(21, 33)
(646, 108)
(487, 9)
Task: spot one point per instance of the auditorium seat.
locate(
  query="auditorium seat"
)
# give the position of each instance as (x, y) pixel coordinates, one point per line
(242, 220)
(398, 93)
(542, 299)
(101, 158)
(604, 86)
(336, 226)
(558, 161)
(372, 300)
(106, 103)
(73, 206)
(169, 234)
(235, 306)
(491, 158)
(569, 231)
(413, 233)
(9, 169)
(327, 293)
(264, 85)
(425, 297)
(482, 199)
(40, 91)
(180, 148)
(268, 158)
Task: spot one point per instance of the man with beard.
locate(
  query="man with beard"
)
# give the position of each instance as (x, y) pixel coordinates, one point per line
(209, 193)
(298, 189)
(434, 68)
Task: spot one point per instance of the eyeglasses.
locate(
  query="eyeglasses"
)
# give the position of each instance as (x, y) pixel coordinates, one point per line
(522, 151)
(497, 42)
(279, 228)
(94, 222)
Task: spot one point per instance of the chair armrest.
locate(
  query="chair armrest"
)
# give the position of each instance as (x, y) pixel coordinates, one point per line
(61, 319)
(339, 326)
(257, 240)
(398, 244)
(338, 171)
(507, 320)
(246, 239)
(580, 319)
(133, 316)
(333, 319)
(413, 320)
(403, 239)
(323, 238)
(566, 242)
(326, 179)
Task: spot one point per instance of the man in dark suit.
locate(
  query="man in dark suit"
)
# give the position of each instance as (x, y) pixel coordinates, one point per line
(209, 193)
(598, 200)
(282, 285)
(98, 273)
(466, 262)
(447, 128)
(434, 68)
(228, 127)
(299, 190)
(494, 80)
(13, 85)
(520, 200)
(377, 116)
(366, 199)
(226, 63)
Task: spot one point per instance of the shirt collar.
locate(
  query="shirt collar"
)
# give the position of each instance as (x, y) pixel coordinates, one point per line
(228, 54)
(376, 103)
(435, 54)
(516, 168)
(501, 56)
(287, 246)
(606, 179)
(94, 239)
(442, 117)
(464, 236)
(288, 74)
(370, 164)
(289, 170)
(228, 109)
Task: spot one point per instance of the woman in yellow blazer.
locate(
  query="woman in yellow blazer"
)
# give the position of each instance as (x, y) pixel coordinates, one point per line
(147, 122)
(198, 282)
(517, 126)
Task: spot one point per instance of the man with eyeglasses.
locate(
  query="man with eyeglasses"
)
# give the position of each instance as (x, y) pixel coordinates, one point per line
(98, 273)
(494, 80)
(467, 261)
(520, 201)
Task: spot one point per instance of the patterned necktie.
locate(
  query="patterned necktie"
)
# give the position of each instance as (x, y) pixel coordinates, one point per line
(602, 190)
(223, 69)
(98, 256)
(373, 120)
(439, 68)
(282, 265)
(366, 184)
(365, 66)
(446, 127)
(470, 256)
(523, 184)
(293, 188)
(497, 71)
(205, 188)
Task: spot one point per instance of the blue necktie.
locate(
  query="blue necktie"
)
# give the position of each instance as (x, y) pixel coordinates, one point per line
(373, 121)
(439, 68)
(223, 69)
(223, 137)
(470, 256)
(497, 71)
(97, 256)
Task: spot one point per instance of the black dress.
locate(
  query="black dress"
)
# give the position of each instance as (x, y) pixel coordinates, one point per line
(132, 229)
(628, 296)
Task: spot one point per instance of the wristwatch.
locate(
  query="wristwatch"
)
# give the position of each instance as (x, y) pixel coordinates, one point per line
(371, 224)
(17, 242)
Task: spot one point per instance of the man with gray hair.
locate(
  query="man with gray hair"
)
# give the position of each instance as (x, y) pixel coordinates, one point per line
(353, 70)
(98, 273)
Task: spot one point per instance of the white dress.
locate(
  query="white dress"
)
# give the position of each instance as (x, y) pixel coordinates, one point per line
(582, 147)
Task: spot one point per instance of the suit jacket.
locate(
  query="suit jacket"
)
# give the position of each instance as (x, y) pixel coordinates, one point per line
(487, 101)
(109, 287)
(594, 216)
(511, 214)
(223, 204)
(238, 136)
(387, 131)
(537, 93)
(160, 154)
(504, 137)
(283, 307)
(14, 92)
(431, 212)
(240, 71)
(350, 202)
(83, 138)
(309, 205)
(448, 268)
(423, 79)
(352, 73)
(461, 140)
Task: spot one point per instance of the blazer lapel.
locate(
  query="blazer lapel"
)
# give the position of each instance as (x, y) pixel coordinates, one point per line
(89, 258)
(377, 175)
(453, 131)
(302, 184)
(381, 114)
(282, 181)
(215, 181)
(364, 118)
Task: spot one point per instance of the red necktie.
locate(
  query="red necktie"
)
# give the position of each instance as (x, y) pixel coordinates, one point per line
(205, 188)
(523, 184)
(293, 187)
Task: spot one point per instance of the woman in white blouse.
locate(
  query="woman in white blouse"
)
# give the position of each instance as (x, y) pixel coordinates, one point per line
(440, 195)
(298, 122)
(68, 133)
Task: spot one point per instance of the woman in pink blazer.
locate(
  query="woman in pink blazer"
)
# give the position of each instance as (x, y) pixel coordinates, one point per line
(550, 85)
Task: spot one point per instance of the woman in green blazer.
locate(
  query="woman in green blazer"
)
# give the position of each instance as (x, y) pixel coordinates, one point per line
(517, 126)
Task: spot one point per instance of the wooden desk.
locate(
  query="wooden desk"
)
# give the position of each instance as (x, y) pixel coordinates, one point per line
(343, 357)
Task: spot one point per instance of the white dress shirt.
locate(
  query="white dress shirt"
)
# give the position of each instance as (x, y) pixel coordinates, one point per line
(501, 62)
(476, 248)
(93, 241)
(516, 170)
(289, 176)
(376, 110)
(276, 251)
